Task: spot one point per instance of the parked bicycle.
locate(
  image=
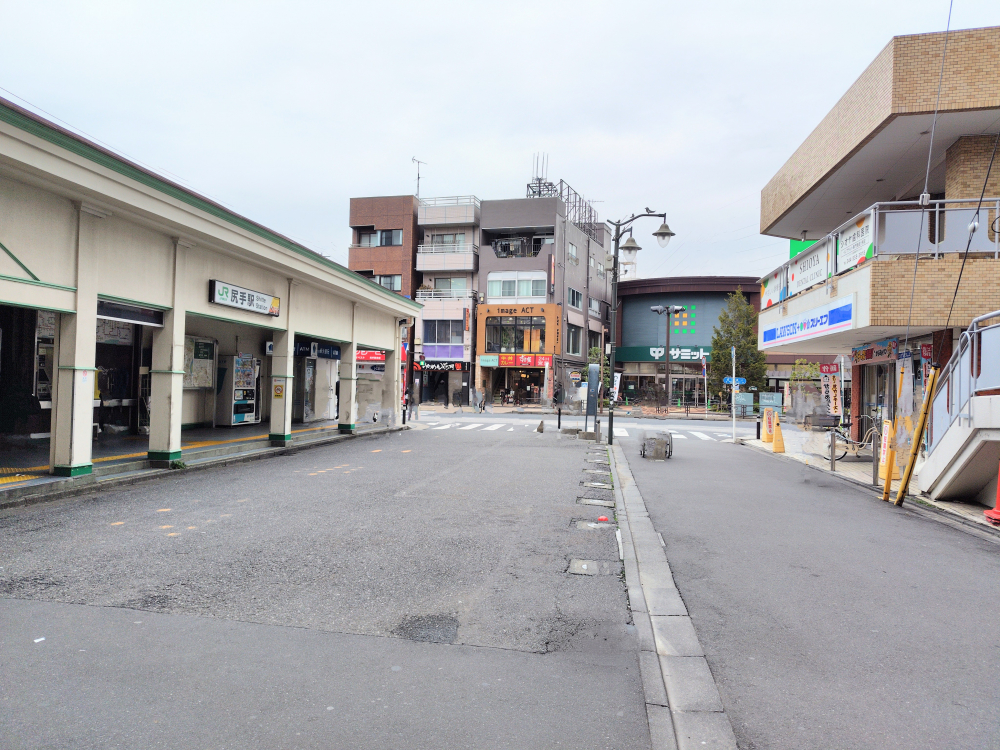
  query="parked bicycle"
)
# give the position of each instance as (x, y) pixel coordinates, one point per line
(842, 434)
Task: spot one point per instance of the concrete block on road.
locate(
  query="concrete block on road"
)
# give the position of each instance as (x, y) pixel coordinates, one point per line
(661, 728)
(595, 501)
(663, 601)
(598, 485)
(704, 730)
(645, 633)
(593, 525)
(675, 636)
(690, 685)
(652, 679)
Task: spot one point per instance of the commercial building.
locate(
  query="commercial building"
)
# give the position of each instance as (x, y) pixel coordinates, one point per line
(514, 292)
(129, 303)
(854, 186)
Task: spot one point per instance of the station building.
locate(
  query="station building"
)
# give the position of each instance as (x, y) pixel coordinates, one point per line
(130, 304)
(853, 188)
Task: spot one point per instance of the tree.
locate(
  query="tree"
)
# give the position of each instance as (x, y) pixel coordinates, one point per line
(737, 327)
(804, 371)
(594, 357)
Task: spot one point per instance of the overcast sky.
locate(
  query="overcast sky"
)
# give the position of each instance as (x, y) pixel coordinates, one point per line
(283, 111)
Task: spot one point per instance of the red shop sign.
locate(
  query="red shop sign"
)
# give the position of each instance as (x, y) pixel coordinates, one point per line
(829, 369)
(367, 355)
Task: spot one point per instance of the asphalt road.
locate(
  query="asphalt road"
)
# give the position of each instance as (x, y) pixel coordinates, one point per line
(399, 591)
(829, 619)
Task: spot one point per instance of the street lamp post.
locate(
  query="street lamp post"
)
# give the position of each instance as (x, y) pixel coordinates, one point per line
(669, 310)
(663, 235)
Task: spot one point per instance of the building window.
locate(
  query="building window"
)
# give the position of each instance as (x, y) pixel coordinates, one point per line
(515, 334)
(593, 340)
(448, 239)
(444, 331)
(571, 253)
(393, 283)
(595, 307)
(388, 237)
(368, 239)
(449, 282)
(574, 339)
(593, 262)
(575, 298)
(525, 286)
(600, 269)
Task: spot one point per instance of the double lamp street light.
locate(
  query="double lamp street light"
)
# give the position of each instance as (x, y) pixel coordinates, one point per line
(630, 247)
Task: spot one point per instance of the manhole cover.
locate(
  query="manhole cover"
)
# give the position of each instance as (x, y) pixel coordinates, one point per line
(429, 628)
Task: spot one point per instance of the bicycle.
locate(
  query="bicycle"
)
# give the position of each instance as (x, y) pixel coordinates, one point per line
(842, 434)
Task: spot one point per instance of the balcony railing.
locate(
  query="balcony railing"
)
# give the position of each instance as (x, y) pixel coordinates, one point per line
(463, 248)
(516, 247)
(456, 209)
(430, 294)
(894, 228)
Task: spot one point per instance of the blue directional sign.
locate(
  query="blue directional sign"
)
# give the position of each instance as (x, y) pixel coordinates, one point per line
(729, 381)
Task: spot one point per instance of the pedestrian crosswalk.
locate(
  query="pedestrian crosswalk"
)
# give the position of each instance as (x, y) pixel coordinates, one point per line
(631, 431)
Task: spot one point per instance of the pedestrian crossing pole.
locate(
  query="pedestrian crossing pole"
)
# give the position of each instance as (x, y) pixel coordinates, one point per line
(734, 393)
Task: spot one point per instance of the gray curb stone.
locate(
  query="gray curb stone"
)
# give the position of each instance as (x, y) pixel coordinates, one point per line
(683, 706)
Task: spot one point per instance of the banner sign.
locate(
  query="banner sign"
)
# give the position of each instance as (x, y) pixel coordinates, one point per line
(904, 378)
(614, 390)
(489, 360)
(830, 391)
(926, 351)
(856, 244)
(883, 453)
(439, 366)
(658, 353)
(519, 360)
(230, 295)
(365, 355)
(820, 321)
(880, 351)
(773, 289)
(829, 369)
(809, 268)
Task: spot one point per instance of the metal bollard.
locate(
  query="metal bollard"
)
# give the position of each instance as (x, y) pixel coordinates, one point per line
(875, 446)
(833, 450)
(559, 418)
(758, 429)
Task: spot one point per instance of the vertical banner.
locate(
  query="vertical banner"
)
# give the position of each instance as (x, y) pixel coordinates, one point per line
(883, 452)
(830, 388)
(836, 405)
(614, 389)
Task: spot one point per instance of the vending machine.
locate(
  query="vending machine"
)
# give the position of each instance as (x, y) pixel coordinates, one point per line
(238, 400)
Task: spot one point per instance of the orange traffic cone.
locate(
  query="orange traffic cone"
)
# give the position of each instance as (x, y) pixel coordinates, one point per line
(778, 445)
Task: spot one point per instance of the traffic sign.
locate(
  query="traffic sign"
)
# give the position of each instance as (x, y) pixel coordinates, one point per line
(729, 381)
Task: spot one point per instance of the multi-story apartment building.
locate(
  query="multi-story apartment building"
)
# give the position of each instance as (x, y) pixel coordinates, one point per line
(879, 285)
(514, 292)
(544, 292)
(448, 260)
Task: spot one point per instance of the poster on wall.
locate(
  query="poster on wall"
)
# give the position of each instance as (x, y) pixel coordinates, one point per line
(114, 332)
(199, 362)
(904, 375)
(856, 244)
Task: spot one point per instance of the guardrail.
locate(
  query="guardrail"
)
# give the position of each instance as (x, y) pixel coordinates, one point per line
(972, 369)
(451, 200)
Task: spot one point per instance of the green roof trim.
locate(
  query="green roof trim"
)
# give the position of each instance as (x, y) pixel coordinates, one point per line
(30, 123)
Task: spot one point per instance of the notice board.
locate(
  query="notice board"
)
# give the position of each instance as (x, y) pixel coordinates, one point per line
(199, 362)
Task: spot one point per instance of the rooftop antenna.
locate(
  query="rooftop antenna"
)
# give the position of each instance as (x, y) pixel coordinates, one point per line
(417, 161)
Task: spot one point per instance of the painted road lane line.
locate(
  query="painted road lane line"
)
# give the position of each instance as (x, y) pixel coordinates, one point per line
(493, 427)
(702, 435)
(472, 426)
(443, 427)
(511, 429)
(680, 435)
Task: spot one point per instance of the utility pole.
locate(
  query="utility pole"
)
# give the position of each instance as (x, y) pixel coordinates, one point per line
(734, 387)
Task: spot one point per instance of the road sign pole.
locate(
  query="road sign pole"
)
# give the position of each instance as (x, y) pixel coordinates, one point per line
(734, 393)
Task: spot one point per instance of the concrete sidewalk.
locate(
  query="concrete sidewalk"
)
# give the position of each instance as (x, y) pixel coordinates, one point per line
(812, 449)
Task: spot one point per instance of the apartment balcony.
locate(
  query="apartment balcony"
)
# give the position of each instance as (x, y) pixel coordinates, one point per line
(462, 257)
(457, 209)
(445, 294)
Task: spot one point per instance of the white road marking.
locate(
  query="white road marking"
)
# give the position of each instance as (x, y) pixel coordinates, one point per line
(702, 436)
(621, 432)
(678, 435)
(443, 427)
(493, 427)
(511, 429)
(472, 426)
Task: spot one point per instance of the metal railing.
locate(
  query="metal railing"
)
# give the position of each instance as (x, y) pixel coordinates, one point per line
(516, 247)
(455, 248)
(445, 293)
(895, 228)
(972, 369)
(451, 200)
